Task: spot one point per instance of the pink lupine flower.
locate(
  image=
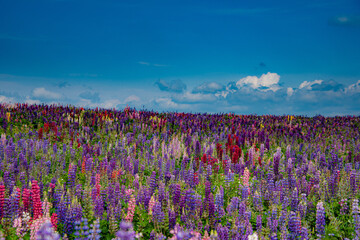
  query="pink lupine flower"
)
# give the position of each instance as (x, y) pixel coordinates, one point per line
(20, 229)
(246, 177)
(35, 226)
(131, 209)
(206, 236)
(151, 205)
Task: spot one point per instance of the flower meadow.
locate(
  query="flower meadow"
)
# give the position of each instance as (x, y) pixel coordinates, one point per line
(74, 173)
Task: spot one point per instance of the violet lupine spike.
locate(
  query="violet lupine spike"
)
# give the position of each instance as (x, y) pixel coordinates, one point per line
(46, 232)
(276, 162)
(320, 219)
(294, 200)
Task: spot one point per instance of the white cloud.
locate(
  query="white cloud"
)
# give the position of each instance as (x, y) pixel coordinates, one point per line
(222, 94)
(209, 87)
(350, 20)
(266, 82)
(353, 88)
(289, 91)
(166, 103)
(108, 104)
(32, 101)
(172, 86)
(188, 97)
(308, 85)
(43, 93)
(132, 98)
(144, 63)
(4, 99)
(111, 103)
(159, 65)
(152, 64)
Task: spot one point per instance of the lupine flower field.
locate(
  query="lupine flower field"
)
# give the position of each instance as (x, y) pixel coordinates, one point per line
(74, 173)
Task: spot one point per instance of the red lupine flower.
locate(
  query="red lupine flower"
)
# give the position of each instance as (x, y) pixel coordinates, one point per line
(26, 198)
(83, 166)
(114, 174)
(203, 158)
(40, 133)
(46, 127)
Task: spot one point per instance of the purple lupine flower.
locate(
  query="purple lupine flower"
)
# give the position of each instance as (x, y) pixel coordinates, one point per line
(294, 200)
(320, 219)
(353, 182)
(7, 209)
(234, 205)
(242, 209)
(332, 184)
(207, 189)
(152, 181)
(229, 177)
(211, 206)
(190, 200)
(223, 232)
(344, 207)
(158, 215)
(277, 157)
(136, 182)
(81, 229)
(219, 201)
(294, 225)
(270, 186)
(69, 221)
(77, 211)
(95, 230)
(262, 149)
(161, 192)
(274, 220)
(72, 176)
(172, 218)
(273, 236)
(304, 233)
(245, 193)
(258, 223)
(126, 232)
(303, 205)
(190, 178)
(257, 201)
(219, 205)
(199, 205)
(176, 195)
(46, 232)
(356, 216)
(78, 191)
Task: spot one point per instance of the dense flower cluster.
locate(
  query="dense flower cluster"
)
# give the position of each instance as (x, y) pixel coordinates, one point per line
(75, 173)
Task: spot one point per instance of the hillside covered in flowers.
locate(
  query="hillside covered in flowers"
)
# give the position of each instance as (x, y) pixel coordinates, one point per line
(74, 173)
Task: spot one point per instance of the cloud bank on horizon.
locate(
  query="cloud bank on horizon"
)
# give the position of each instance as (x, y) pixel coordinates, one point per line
(262, 94)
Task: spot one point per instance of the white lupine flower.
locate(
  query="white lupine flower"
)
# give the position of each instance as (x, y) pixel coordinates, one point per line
(253, 237)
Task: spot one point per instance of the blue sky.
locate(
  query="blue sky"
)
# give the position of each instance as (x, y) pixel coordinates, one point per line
(263, 57)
